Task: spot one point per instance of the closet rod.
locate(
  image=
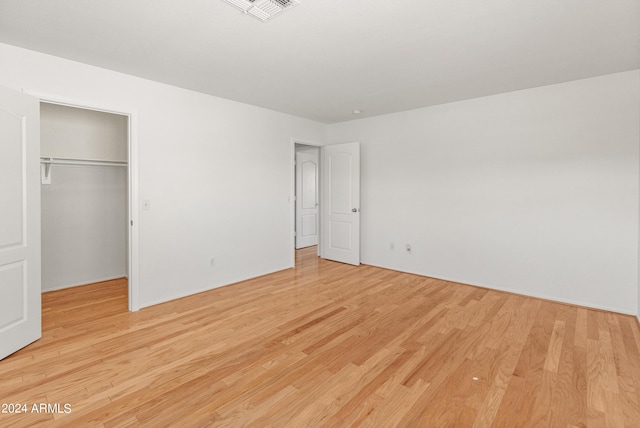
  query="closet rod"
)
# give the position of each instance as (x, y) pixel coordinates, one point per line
(67, 161)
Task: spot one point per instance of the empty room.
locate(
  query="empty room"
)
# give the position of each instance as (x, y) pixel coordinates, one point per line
(304, 213)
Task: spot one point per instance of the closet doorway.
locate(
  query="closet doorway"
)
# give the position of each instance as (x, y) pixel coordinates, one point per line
(85, 196)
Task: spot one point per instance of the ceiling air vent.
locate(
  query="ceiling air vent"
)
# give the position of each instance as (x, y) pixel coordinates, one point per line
(263, 10)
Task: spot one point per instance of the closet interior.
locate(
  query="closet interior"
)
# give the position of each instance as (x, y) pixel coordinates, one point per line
(84, 176)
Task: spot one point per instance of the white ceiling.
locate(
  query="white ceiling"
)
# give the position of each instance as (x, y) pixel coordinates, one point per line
(324, 58)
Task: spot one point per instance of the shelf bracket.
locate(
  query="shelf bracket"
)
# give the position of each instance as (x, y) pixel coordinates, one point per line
(45, 171)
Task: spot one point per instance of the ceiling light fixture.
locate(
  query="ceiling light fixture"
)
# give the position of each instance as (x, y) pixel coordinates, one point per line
(356, 111)
(263, 10)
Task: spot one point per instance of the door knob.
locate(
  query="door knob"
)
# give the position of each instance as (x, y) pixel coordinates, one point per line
(354, 210)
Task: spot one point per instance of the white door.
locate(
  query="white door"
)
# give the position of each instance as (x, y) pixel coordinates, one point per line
(307, 198)
(341, 203)
(20, 310)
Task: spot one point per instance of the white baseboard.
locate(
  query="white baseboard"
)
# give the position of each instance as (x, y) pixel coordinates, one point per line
(90, 281)
(520, 292)
(202, 290)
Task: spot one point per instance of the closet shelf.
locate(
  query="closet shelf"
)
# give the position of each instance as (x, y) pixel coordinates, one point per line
(47, 161)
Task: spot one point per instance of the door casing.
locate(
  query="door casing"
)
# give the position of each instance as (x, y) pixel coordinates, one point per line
(132, 179)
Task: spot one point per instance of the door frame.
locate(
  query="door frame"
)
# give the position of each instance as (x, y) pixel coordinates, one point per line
(292, 196)
(132, 180)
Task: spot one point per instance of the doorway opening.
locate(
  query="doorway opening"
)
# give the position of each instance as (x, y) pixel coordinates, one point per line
(88, 198)
(305, 197)
(338, 200)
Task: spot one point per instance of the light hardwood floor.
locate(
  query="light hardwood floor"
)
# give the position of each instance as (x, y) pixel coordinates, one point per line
(331, 345)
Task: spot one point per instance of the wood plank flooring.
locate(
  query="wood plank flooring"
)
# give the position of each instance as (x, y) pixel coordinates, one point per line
(326, 344)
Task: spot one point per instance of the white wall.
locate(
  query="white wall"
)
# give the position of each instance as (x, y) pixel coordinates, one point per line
(74, 133)
(84, 233)
(217, 173)
(534, 191)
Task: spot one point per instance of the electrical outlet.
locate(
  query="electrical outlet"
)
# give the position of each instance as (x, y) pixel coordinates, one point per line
(212, 261)
(146, 204)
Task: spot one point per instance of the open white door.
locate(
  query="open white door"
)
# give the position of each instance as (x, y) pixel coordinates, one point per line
(306, 198)
(20, 310)
(341, 203)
